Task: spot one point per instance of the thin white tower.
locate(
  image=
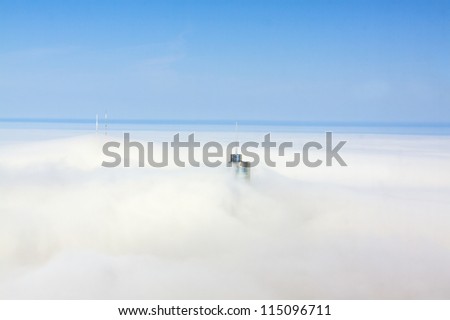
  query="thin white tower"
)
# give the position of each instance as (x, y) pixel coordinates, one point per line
(237, 135)
(106, 123)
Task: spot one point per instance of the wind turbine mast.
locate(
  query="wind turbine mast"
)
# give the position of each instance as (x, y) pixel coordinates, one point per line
(106, 123)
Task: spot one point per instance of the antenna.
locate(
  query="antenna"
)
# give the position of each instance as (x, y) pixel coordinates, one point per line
(106, 123)
(235, 158)
(237, 135)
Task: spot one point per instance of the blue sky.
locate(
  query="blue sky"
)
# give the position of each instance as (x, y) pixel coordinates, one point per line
(260, 60)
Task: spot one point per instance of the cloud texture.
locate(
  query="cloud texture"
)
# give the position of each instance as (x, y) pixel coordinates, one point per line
(375, 229)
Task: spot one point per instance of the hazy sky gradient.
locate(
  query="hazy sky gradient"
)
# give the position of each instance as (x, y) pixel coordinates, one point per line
(268, 60)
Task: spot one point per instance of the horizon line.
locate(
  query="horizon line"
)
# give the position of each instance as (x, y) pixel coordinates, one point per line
(166, 121)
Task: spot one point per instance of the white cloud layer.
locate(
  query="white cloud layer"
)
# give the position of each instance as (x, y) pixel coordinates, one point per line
(375, 229)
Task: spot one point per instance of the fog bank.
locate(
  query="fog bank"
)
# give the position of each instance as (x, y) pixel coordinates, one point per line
(71, 229)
